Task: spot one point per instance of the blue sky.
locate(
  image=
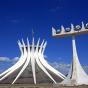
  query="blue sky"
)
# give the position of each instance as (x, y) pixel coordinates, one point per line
(19, 17)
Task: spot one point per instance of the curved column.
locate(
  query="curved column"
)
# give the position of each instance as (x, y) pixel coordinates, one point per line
(35, 52)
(33, 61)
(19, 65)
(20, 60)
(44, 62)
(43, 69)
(26, 62)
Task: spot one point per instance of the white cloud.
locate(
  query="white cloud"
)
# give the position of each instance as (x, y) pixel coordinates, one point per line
(6, 59)
(15, 59)
(45, 56)
(62, 67)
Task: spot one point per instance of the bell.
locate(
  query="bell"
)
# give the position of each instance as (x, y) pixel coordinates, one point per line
(86, 27)
(58, 31)
(77, 28)
(67, 29)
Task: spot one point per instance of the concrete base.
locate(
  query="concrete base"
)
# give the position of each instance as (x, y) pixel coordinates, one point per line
(39, 86)
(26, 86)
(65, 86)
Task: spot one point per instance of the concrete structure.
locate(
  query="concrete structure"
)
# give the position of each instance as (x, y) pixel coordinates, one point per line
(76, 75)
(31, 69)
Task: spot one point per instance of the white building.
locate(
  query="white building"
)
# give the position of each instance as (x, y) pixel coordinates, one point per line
(31, 68)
